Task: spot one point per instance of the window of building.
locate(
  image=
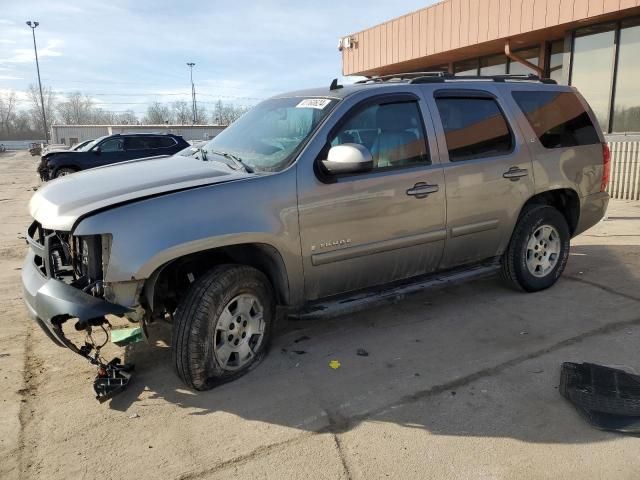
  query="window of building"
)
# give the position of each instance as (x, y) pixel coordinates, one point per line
(626, 113)
(592, 70)
(530, 55)
(556, 58)
(557, 118)
(444, 67)
(392, 132)
(494, 65)
(474, 128)
(466, 67)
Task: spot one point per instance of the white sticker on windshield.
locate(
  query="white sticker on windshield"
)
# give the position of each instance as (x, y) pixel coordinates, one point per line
(319, 103)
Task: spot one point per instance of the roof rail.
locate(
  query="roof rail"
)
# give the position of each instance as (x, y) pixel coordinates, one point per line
(529, 77)
(398, 77)
(441, 77)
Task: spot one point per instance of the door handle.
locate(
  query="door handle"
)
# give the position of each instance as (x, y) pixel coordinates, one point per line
(422, 190)
(514, 173)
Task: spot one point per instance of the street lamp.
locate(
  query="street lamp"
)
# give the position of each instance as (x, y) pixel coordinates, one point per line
(33, 26)
(193, 92)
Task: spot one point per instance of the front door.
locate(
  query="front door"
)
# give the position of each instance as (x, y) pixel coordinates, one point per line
(386, 224)
(488, 173)
(111, 151)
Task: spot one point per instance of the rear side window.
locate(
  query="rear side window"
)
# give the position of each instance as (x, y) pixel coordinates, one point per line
(162, 142)
(474, 128)
(557, 118)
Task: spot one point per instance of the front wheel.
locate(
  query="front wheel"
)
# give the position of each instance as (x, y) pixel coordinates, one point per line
(223, 325)
(538, 251)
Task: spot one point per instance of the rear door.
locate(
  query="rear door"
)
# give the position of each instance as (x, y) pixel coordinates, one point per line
(375, 227)
(487, 170)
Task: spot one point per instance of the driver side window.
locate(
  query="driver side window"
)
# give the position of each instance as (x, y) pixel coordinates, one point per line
(113, 145)
(392, 132)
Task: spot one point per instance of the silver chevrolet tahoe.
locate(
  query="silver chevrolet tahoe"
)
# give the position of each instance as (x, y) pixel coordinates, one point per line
(316, 202)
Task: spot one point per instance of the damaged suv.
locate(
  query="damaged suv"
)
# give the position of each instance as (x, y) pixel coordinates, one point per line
(318, 202)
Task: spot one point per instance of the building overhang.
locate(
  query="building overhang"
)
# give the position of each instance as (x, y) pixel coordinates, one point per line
(455, 30)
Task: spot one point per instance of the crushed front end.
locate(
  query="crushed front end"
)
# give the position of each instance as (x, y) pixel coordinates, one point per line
(62, 280)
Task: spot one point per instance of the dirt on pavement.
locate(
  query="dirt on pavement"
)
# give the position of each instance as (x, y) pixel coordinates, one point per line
(459, 383)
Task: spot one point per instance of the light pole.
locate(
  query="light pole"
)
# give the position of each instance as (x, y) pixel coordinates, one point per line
(33, 26)
(194, 107)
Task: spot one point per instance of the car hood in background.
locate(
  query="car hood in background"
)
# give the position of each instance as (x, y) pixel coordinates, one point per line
(59, 203)
(56, 151)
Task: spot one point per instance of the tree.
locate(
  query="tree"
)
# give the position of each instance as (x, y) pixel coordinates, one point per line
(226, 114)
(127, 118)
(202, 116)
(157, 114)
(77, 109)
(7, 110)
(36, 107)
(182, 114)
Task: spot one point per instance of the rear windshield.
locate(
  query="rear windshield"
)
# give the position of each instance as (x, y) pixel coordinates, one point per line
(557, 118)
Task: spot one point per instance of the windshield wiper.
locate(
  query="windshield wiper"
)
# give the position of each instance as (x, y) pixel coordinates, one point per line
(237, 161)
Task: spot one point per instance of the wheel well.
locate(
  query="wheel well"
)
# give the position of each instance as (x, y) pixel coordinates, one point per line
(70, 167)
(565, 200)
(170, 282)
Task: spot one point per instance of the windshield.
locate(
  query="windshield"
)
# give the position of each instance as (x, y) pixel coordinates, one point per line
(90, 145)
(267, 137)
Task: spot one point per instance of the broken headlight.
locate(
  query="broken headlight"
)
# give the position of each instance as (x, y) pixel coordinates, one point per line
(90, 257)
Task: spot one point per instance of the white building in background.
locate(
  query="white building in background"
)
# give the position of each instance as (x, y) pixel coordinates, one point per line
(72, 134)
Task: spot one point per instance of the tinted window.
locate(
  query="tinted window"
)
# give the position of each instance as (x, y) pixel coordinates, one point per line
(474, 128)
(530, 55)
(496, 65)
(626, 115)
(466, 67)
(555, 61)
(393, 133)
(137, 143)
(163, 142)
(113, 145)
(593, 68)
(557, 118)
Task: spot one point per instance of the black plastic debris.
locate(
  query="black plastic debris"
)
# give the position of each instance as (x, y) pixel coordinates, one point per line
(362, 352)
(111, 379)
(608, 398)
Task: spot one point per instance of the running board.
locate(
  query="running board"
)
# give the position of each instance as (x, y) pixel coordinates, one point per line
(361, 300)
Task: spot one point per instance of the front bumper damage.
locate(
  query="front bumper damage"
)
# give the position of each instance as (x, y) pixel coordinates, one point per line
(51, 302)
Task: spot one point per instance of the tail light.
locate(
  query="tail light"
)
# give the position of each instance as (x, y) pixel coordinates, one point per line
(606, 167)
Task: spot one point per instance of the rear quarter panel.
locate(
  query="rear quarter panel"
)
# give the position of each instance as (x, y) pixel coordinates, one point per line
(578, 168)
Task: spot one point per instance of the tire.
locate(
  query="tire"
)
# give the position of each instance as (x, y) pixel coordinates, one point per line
(538, 251)
(210, 322)
(61, 172)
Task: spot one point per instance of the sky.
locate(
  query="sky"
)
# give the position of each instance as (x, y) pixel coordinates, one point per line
(126, 54)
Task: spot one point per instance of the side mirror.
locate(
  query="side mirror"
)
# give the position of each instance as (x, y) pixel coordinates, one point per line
(97, 150)
(348, 158)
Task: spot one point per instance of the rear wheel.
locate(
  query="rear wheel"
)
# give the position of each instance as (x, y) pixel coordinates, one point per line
(538, 251)
(222, 327)
(64, 171)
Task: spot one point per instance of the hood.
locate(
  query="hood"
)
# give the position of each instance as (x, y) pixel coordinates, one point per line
(59, 203)
(57, 150)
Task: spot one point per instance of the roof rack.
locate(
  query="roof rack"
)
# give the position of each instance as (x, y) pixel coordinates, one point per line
(400, 77)
(441, 77)
(493, 78)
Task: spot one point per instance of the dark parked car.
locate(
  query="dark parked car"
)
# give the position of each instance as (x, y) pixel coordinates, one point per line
(108, 150)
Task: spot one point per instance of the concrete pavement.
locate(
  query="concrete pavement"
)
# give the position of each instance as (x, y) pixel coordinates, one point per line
(459, 383)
